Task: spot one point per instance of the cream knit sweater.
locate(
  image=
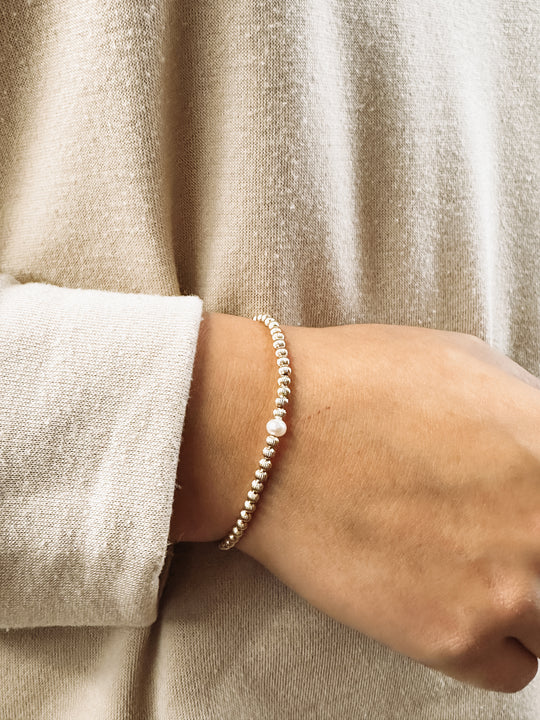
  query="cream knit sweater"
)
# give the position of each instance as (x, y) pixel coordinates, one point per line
(328, 161)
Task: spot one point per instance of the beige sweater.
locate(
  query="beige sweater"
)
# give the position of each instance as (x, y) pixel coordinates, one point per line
(330, 162)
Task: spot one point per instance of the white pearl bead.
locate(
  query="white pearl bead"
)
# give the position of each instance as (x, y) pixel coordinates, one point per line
(276, 427)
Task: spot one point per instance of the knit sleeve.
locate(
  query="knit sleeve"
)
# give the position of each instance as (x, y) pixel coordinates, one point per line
(93, 391)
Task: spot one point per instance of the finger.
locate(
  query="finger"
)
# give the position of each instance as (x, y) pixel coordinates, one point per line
(525, 627)
(507, 667)
(512, 668)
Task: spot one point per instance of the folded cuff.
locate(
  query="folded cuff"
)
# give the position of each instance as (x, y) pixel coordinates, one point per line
(94, 388)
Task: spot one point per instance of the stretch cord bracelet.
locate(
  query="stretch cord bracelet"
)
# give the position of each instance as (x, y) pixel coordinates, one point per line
(275, 428)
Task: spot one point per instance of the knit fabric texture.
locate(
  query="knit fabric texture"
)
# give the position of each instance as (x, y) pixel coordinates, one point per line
(329, 162)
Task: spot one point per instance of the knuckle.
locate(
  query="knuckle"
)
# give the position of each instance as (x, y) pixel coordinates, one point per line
(517, 603)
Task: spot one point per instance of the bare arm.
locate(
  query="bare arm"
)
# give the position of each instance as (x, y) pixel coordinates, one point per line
(405, 500)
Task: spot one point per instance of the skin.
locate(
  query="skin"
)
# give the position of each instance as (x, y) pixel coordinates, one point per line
(404, 500)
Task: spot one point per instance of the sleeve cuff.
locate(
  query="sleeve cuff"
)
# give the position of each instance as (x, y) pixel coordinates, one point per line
(95, 386)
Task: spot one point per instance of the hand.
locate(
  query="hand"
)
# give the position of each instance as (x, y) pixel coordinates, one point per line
(404, 500)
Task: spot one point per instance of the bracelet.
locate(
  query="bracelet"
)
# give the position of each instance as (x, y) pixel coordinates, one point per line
(275, 428)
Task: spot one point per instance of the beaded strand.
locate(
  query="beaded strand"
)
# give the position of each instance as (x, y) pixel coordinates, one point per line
(275, 428)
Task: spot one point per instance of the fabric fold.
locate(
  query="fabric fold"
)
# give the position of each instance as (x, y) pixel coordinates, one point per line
(94, 388)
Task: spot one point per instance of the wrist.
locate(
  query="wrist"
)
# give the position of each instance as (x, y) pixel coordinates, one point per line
(231, 399)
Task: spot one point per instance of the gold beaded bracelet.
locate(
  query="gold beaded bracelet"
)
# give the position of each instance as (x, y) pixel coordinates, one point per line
(275, 428)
